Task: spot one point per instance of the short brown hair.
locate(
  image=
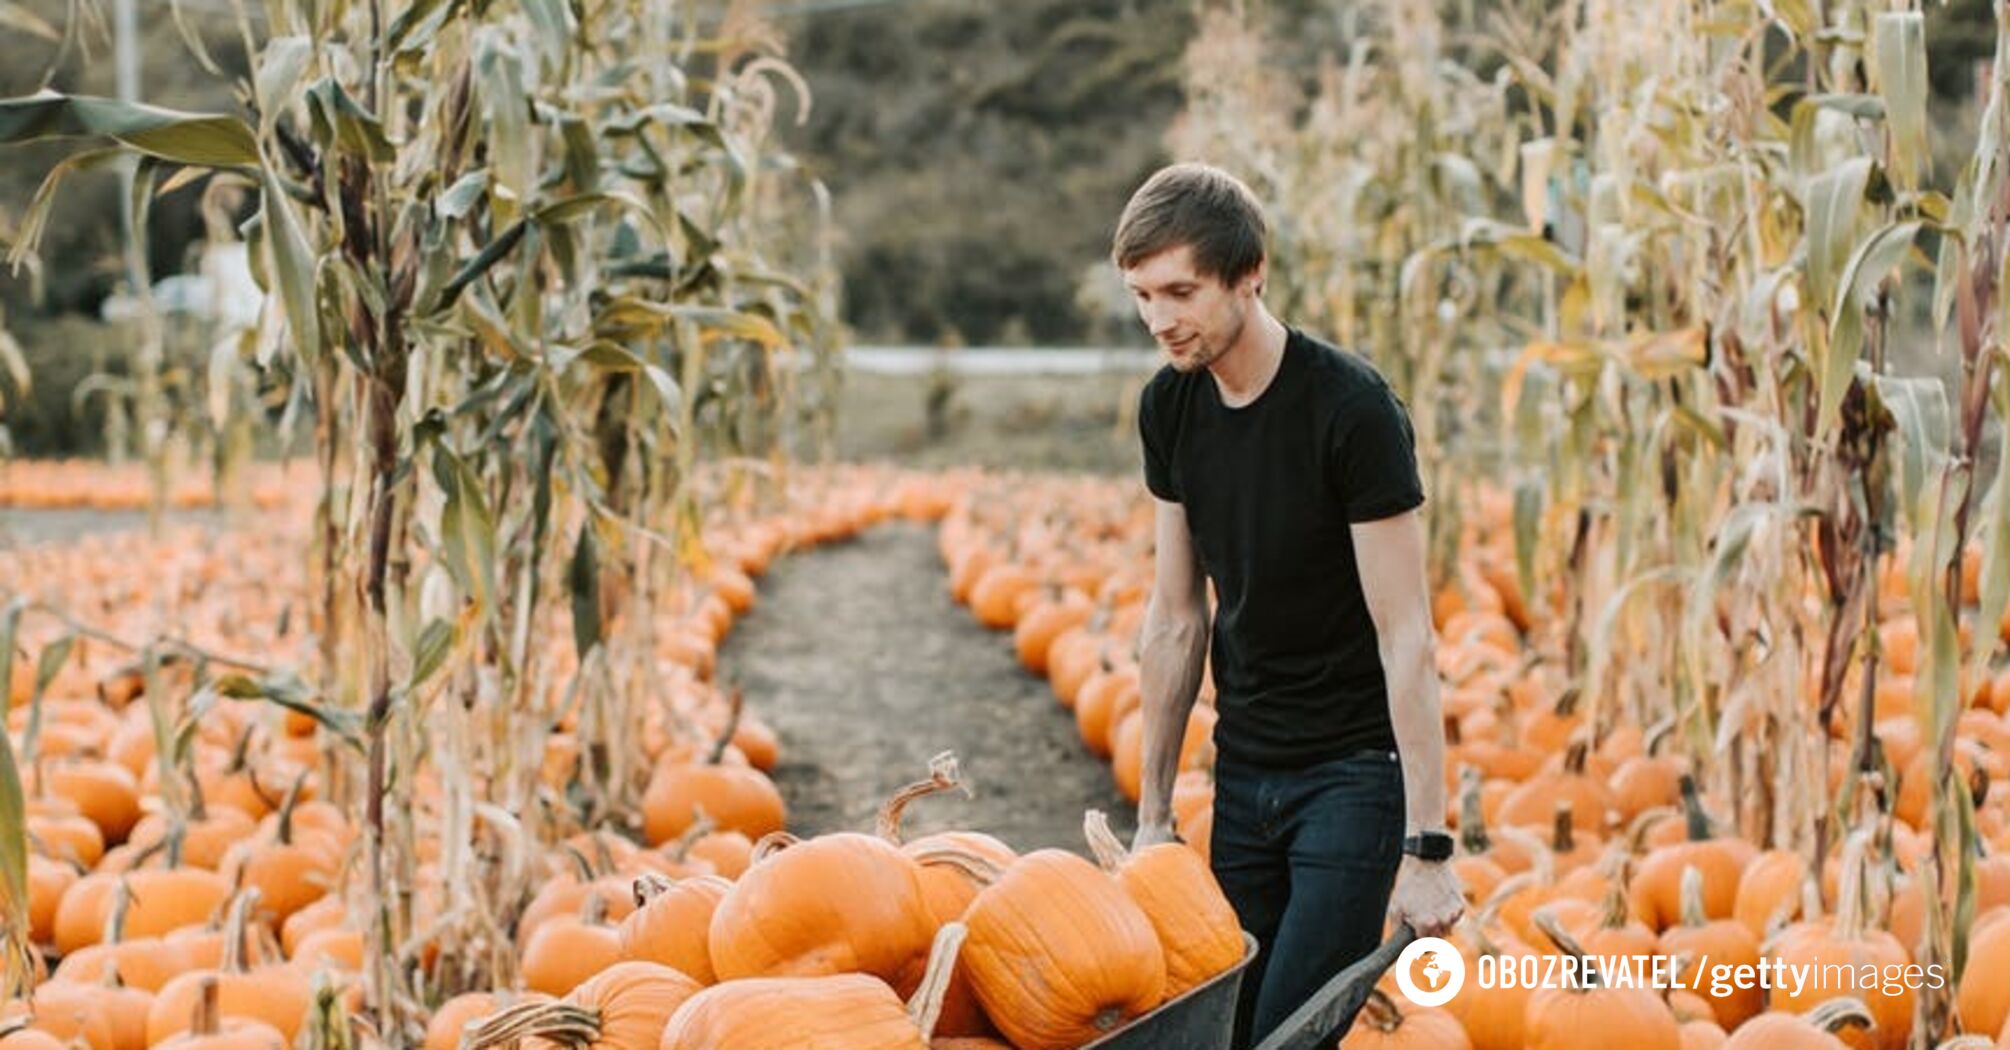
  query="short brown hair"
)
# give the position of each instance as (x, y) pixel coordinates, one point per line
(1200, 206)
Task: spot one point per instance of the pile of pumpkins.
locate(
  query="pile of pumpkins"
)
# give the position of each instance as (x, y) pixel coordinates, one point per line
(218, 894)
(1569, 840)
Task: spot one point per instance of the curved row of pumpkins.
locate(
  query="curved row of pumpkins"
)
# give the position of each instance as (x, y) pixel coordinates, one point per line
(223, 907)
(1568, 840)
(70, 484)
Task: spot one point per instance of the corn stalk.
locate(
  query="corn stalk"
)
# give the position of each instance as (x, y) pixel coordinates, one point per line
(526, 268)
(1679, 238)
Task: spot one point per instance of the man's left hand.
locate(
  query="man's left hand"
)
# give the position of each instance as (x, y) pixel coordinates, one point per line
(1428, 896)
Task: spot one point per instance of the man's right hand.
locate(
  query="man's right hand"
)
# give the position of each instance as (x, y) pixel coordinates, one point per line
(1151, 835)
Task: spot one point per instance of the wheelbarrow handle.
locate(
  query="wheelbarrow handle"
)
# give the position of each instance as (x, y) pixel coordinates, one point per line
(1308, 1026)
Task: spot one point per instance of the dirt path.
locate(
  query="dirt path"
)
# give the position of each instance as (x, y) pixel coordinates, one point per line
(859, 659)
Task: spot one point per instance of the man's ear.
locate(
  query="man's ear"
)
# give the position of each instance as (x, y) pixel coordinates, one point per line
(1259, 275)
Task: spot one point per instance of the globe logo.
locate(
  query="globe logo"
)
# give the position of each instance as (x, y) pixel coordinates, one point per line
(1437, 964)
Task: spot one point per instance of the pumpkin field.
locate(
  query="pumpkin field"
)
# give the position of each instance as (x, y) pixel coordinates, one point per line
(526, 632)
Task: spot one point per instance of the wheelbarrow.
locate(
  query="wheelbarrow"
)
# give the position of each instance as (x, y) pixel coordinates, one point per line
(1204, 1017)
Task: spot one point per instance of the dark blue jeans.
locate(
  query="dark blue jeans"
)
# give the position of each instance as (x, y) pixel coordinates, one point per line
(1308, 858)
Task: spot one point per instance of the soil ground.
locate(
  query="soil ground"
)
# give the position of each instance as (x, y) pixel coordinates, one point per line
(858, 657)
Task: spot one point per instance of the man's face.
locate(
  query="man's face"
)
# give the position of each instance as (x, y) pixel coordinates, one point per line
(1194, 318)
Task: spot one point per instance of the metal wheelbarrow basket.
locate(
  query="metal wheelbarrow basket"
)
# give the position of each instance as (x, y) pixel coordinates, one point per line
(1204, 1017)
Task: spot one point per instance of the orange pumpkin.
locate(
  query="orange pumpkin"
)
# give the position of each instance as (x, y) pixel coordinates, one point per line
(1058, 954)
(1727, 941)
(623, 1006)
(671, 923)
(1657, 888)
(1568, 1018)
(838, 1011)
(1813, 1030)
(1382, 1025)
(1845, 939)
(781, 918)
(735, 798)
(1197, 927)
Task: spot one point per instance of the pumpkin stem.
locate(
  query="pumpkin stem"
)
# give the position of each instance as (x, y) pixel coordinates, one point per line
(943, 775)
(1692, 809)
(736, 703)
(1561, 841)
(1692, 897)
(1636, 833)
(981, 870)
(236, 930)
(1472, 816)
(198, 804)
(202, 1020)
(1545, 920)
(285, 831)
(1109, 850)
(1835, 1015)
(115, 920)
(1617, 909)
(1657, 735)
(1575, 755)
(925, 1008)
(567, 1024)
(1850, 893)
(1381, 1012)
(649, 886)
(582, 867)
(702, 825)
(593, 911)
(772, 843)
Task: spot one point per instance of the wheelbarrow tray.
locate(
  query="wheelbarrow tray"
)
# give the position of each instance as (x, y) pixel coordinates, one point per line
(1201, 1018)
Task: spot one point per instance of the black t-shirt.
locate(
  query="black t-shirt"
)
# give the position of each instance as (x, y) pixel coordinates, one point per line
(1269, 490)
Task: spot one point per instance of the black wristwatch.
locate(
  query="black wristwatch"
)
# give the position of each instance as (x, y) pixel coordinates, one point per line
(1429, 845)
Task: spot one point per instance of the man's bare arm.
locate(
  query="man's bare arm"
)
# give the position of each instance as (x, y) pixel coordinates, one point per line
(1173, 649)
(1390, 555)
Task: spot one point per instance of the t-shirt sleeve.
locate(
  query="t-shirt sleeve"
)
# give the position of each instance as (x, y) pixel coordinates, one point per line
(1375, 458)
(1151, 433)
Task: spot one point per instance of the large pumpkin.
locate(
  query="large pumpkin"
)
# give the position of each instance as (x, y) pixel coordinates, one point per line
(842, 903)
(1847, 940)
(623, 1007)
(672, 923)
(846, 1011)
(1383, 1025)
(1058, 954)
(1196, 926)
(1570, 1018)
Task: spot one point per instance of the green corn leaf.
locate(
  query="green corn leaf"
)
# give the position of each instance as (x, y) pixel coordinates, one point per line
(291, 693)
(292, 262)
(280, 68)
(1879, 254)
(1995, 582)
(467, 529)
(210, 139)
(436, 642)
(1899, 68)
(1834, 206)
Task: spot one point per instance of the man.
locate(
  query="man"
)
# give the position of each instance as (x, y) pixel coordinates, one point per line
(1284, 471)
